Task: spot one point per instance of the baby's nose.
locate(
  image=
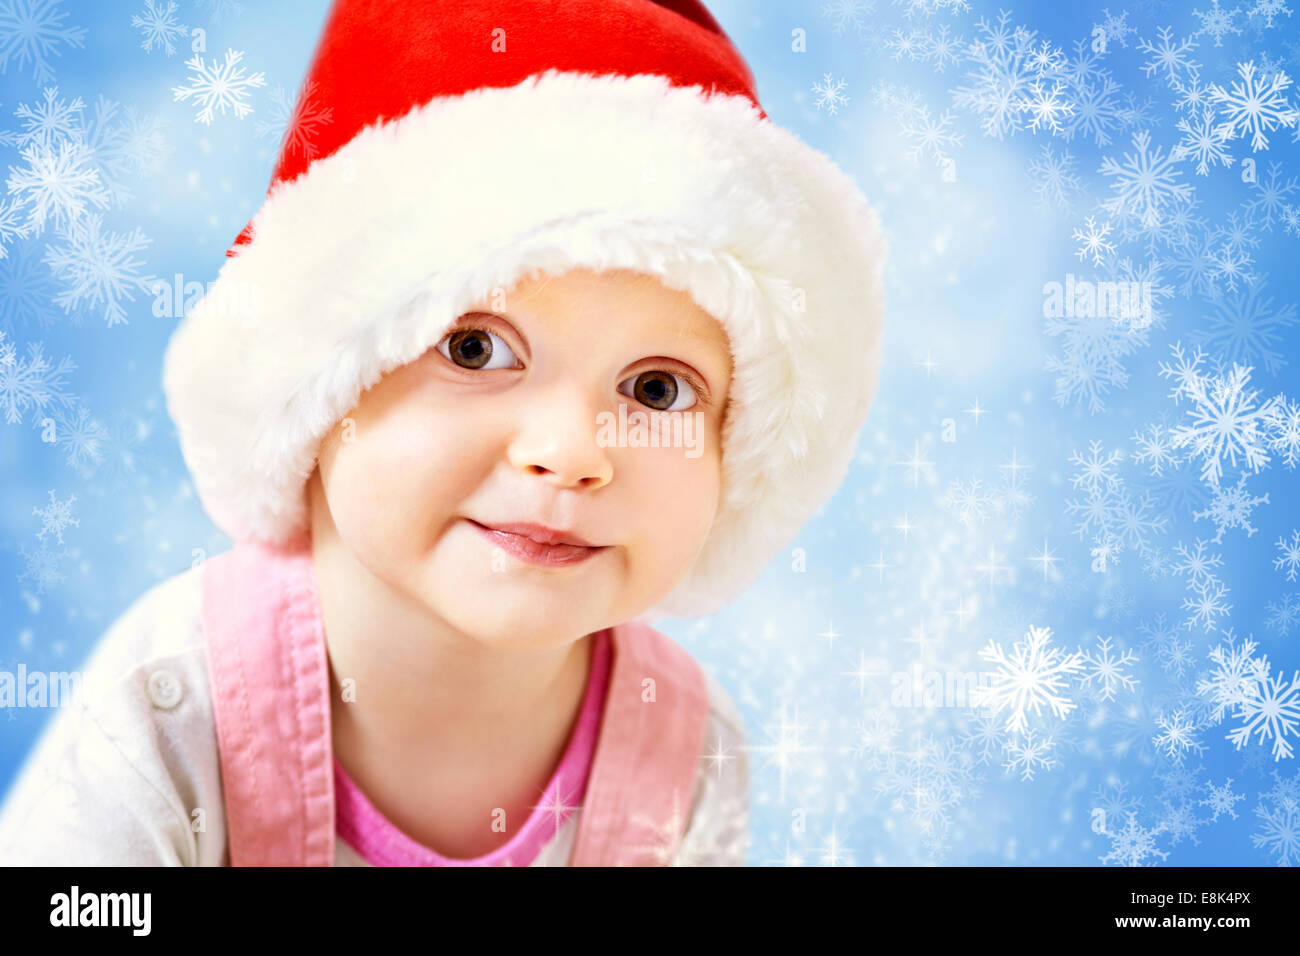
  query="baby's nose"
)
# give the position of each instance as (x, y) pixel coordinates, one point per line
(556, 439)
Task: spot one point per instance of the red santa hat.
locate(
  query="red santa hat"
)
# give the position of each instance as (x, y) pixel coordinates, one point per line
(472, 144)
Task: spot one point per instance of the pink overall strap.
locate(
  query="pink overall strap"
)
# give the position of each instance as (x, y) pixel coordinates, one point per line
(269, 671)
(638, 800)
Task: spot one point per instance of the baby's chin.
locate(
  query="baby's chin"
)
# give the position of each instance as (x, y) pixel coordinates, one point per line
(508, 604)
(518, 625)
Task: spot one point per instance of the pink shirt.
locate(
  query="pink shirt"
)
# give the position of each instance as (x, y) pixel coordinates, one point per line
(380, 843)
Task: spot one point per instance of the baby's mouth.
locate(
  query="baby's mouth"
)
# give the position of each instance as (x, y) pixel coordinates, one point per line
(547, 552)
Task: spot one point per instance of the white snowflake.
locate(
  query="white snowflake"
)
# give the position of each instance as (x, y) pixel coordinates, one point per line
(1180, 820)
(1273, 195)
(830, 94)
(986, 735)
(1192, 96)
(143, 144)
(45, 122)
(296, 123)
(1033, 675)
(1170, 57)
(1114, 28)
(1093, 241)
(1284, 614)
(1284, 430)
(58, 182)
(1222, 799)
(928, 135)
(1270, 708)
(1046, 59)
(875, 735)
(968, 501)
(845, 13)
(13, 224)
(1145, 181)
(1208, 604)
(1028, 754)
(26, 292)
(1001, 77)
(1291, 214)
(1097, 470)
(1177, 736)
(42, 567)
(1255, 106)
(1186, 372)
(1046, 105)
(1231, 508)
(1290, 559)
(1205, 141)
(1156, 449)
(108, 145)
(942, 49)
(1159, 635)
(218, 87)
(1226, 422)
(222, 8)
(56, 516)
(1108, 670)
(82, 438)
(32, 31)
(33, 383)
(160, 26)
(1236, 671)
(1133, 844)
(1268, 9)
(1104, 552)
(1053, 177)
(911, 45)
(1279, 830)
(1217, 22)
(99, 267)
(1097, 111)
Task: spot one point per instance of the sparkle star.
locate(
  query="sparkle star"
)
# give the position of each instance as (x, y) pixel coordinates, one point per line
(557, 807)
(1013, 466)
(1045, 558)
(992, 568)
(788, 745)
(927, 364)
(916, 463)
(880, 565)
(976, 411)
(961, 614)
(863, 672)
(718, 756)
(919, 637)
(833, 854)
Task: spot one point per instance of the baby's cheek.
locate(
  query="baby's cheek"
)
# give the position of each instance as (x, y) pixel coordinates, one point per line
(680, 495)
(398, 483)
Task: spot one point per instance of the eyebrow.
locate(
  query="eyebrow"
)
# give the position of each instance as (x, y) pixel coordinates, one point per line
(702, 337)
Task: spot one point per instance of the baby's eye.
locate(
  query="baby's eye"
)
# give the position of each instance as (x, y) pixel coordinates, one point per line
(662, 391)
(477, 349)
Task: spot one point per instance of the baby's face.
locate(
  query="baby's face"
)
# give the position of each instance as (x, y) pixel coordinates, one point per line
(514, 417)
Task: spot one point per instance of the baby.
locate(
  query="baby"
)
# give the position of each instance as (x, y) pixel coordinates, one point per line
(547, 340)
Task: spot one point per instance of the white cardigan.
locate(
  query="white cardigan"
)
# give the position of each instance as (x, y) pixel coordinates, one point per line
(128, 774)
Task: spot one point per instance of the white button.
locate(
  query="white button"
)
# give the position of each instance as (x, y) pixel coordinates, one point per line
(164, 689)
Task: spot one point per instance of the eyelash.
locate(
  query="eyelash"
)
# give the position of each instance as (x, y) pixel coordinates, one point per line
(701, 392)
